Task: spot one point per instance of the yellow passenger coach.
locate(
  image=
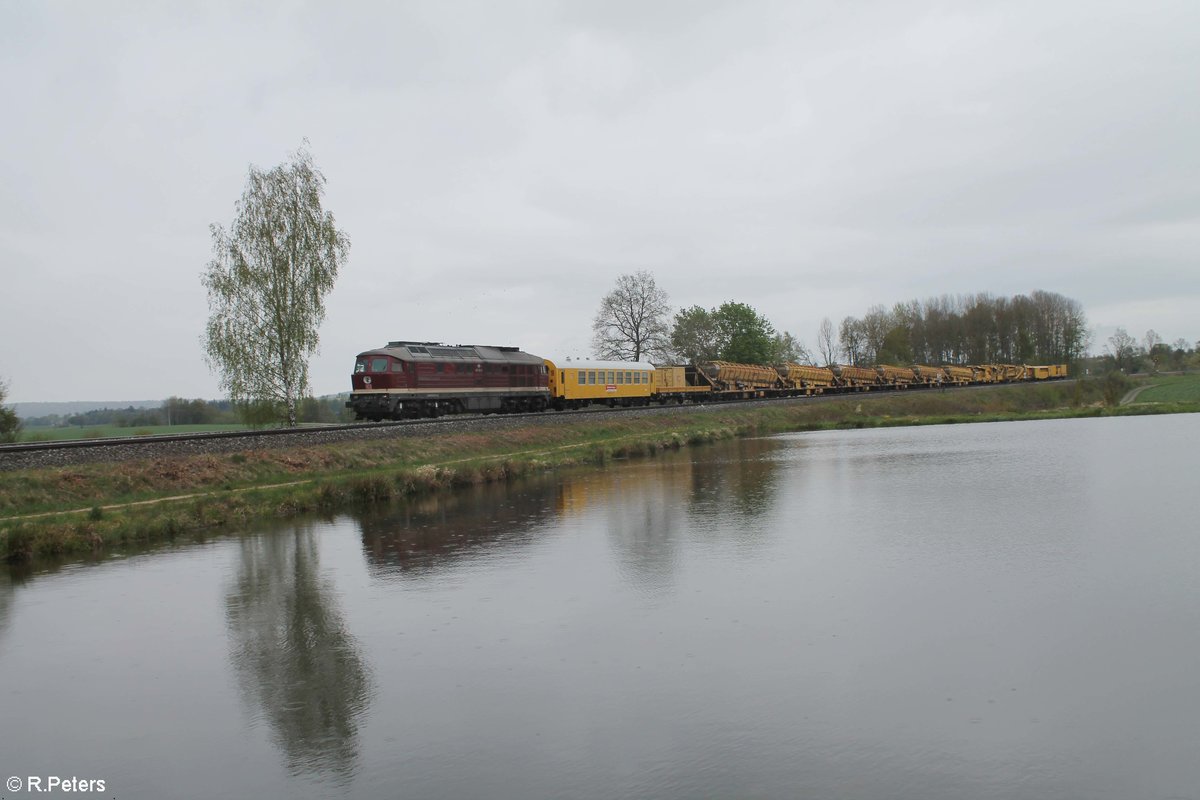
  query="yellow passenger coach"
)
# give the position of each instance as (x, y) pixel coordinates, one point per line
(574, 384)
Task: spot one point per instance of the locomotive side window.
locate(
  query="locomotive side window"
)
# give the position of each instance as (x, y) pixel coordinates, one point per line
(379, 365)
(397, 366)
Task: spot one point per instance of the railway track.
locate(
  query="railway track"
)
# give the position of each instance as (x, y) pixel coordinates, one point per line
(64, 453)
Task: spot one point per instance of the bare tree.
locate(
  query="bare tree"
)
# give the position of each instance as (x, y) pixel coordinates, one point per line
(632, 321)
(1124, 349)
(825, 344)
(267, 284)
(851, 340)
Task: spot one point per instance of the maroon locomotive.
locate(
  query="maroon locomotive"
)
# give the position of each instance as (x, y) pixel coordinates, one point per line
(428, 379)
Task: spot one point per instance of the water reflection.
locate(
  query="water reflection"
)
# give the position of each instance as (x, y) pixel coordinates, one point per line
(295, 659)
(6, 598)
(426, 534)
(736, 481)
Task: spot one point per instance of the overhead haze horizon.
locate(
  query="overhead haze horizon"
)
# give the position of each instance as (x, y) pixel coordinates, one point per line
(498, 166)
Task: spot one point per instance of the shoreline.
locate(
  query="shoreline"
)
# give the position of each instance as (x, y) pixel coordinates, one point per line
(85, 510)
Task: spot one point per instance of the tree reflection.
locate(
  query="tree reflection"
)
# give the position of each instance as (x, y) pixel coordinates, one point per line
(644, 521)
(735, 482)
(7, 590)
(294, 657)
(431, 533)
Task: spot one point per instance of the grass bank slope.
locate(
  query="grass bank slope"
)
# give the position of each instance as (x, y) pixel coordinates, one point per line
(52, 512)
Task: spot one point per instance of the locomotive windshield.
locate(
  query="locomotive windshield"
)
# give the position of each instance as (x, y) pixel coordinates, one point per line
(376, 364)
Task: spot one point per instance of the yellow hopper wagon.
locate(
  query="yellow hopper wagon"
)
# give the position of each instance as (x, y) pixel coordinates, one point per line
(856, 378)
(748, 380)
(895, 377)
(930, 376)
(960, 376)
(807, 379)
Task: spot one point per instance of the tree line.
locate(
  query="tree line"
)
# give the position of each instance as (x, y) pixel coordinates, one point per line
(635, 322)
(1127, 354)
(182, 411)
(1038, 328)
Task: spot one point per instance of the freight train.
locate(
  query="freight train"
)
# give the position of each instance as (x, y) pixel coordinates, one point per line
(427, 379)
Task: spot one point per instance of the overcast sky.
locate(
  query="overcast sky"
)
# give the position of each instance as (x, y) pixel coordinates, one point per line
(498, 164)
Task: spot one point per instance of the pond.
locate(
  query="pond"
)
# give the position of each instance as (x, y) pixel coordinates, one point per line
(1006, 610)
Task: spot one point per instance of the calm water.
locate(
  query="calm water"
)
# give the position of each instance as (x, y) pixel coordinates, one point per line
(988, 611)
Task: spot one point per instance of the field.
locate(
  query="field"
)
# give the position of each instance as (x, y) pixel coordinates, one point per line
(1171, 389)
(110, 431)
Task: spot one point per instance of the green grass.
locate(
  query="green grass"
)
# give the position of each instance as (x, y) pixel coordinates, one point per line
(1171, 389)
(114, 431)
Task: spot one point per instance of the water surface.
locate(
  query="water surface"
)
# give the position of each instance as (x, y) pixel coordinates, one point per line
(988, 611)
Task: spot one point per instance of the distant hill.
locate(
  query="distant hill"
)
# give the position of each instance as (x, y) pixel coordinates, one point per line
(34, 410)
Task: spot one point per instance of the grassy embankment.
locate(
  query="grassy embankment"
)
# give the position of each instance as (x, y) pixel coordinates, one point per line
(50, 512)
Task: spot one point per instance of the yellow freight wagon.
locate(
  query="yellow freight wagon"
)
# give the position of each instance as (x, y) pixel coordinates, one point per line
(930, 376)
(728, 376)
(678, 383)
(575, 384)
(854, 377)
(961, 375)
(895, 376)
(1037, 373)
(812, 380)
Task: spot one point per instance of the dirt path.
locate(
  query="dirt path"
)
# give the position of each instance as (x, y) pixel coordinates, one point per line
(1132, 394)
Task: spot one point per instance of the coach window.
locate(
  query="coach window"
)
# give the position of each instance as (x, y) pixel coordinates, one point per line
(582, 376)
(379, 365)
(621, 378)
(591, 378)
(629, 377)
(611, 378)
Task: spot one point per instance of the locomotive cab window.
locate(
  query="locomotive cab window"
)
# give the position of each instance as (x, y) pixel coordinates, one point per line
(379, 365)
(360, 366)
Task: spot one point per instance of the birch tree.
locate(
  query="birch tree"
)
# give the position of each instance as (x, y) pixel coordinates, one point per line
(267, 284)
